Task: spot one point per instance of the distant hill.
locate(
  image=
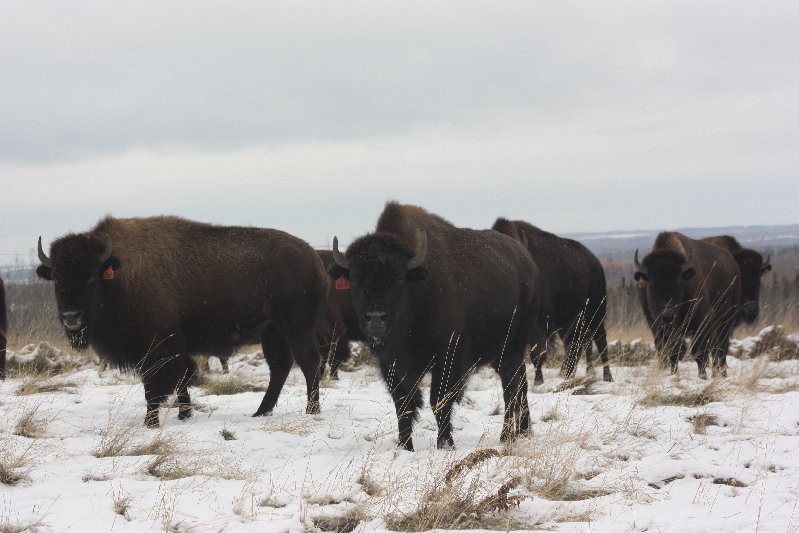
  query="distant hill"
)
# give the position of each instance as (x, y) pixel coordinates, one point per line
(757, 237)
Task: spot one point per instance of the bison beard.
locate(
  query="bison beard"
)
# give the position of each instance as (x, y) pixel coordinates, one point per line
(573, 296)
(689, 288)
(435, 298)
(148, 293)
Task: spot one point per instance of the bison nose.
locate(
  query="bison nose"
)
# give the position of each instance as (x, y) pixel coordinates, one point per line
(72, 320)
(376, 317)
(668, 314)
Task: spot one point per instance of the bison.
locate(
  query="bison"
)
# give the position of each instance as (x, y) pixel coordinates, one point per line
(3, 329)
(573, 296)
(147, 293)
(689, 288)
(341, 324)
(752, 267)
(431, 297)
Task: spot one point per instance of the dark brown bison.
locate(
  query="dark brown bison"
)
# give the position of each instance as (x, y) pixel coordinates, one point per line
(147, 293)
(431, 297)
(3, 329)
(752, 267)
(689, 288)
(341, 323)
(573, 296)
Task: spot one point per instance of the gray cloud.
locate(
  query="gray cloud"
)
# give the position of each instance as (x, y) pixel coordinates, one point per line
(308, 116)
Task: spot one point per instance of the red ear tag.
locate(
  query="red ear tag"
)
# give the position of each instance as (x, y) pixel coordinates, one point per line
(108, 273)
(343, 283)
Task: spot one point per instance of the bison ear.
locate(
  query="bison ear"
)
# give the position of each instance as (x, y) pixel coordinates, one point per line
(640, 276)
(417, 274)
(765, 269)
(44, 272)
(337, 272)
(688, 274)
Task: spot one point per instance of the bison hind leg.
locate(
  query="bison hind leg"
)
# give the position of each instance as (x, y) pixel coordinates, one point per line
(278, 358)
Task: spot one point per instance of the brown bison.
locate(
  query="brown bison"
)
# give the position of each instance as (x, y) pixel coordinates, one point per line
(752, 267)
(147, 293)
(341, 323)
(573, 296)
(431, 297)
(3, 329)
(689, 288)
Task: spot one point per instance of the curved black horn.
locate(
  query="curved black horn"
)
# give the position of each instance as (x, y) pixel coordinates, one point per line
(42, 257)
(338, 257)
(523, 236)
(106, 253)
(638, 265)
(421, 253)
(768, 260)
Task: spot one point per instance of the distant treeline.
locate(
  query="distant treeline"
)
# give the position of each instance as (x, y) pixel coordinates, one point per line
(33, 316)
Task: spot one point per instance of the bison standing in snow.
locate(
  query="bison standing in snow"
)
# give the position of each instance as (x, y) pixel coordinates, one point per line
(147, 293)
(573, 295)
(431, 297)
(690, 288)
(752, 267)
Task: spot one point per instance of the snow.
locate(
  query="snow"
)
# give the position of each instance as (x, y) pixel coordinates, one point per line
(598, 460)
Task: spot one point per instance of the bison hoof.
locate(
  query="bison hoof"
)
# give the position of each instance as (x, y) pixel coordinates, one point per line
(262, 413)
(151, 420)
(446, 444)
(538, 381)
(607, 376)
(408, 446)
(313, 408)
(183, 414)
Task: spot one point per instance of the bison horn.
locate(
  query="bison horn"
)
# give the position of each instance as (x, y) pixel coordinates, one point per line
(42, 257)
(523, 236)
(767, 262)
(638, 264)
(338, 257)
(420, 255)
(106, 253)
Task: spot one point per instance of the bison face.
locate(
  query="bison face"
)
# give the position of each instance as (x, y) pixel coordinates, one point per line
(752, 268)
(379, 271)
(78, 265)
(664, 274)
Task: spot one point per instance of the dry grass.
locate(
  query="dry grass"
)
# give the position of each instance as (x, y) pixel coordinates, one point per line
(227, 434)
(702, 421)
(227, 384)
(15, 464)
(462, 502)
(30, 424)
(35, 385)
(122, 503)
(36, 526)
(712, 392)
(120, 441)
(343, 523)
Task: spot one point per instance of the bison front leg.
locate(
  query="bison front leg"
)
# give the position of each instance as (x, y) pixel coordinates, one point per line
(601, 340)
(446, 388)
(517, 410)
(407, 398)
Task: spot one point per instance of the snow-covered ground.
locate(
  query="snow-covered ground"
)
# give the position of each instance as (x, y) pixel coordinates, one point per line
(646, 453)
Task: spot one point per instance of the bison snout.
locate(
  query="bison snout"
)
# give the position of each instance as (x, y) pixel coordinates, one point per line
(668, 314)
(749, 312)
(72, 320)
(376, 322)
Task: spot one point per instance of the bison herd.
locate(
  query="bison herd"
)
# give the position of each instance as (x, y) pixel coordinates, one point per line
(425, 295)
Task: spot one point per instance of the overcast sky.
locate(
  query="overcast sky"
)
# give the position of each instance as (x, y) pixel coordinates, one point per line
(586, 116)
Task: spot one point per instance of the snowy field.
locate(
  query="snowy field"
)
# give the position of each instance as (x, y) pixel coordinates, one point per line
(646, 453)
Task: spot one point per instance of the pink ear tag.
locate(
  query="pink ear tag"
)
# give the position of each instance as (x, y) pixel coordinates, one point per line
(343, 283)
(108, 273)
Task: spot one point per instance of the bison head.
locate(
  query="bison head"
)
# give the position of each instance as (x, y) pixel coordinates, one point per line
(752, 267)
(379, 267)
(664, 273)
(78, 265)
